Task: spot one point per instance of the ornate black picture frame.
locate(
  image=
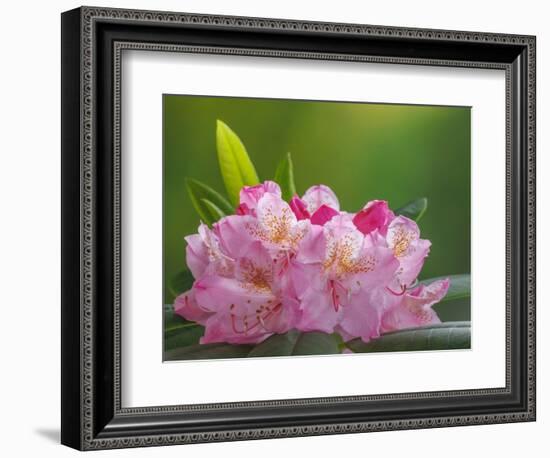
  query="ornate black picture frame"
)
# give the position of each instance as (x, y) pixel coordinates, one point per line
(92, 42)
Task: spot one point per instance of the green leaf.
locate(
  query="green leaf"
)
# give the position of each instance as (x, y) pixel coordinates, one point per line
(179, 332)
(284, 177)
(444, 336)
(235, 165)
(183, 336)
(414, 209)
(208, 351)
(214, 210)
(199, 193)
(182, 343)
(458, 289)
(456, 310)
(171, 320)
(181, 282)
(297, 343)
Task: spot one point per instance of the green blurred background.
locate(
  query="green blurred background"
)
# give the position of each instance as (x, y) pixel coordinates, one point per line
(362, 151)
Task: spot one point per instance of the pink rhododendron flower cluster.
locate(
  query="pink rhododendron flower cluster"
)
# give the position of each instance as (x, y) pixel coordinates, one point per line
(307, 265)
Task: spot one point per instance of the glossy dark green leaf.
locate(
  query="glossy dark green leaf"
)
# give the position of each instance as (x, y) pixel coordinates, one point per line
(297, 343)
(208, 351)
(235, 165)
(171, 320)
(215, 211)
(181, 282)
(284, 177)
(458, 289)
(199, 193)
(457, 310)
(444, 336)
(183, 336)
(414, 210)
(292, 343)
(179, 332)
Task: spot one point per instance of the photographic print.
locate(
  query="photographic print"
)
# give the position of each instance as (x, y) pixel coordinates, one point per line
(297, 227)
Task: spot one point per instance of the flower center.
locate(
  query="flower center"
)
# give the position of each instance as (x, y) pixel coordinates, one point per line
(401, 242)
(342, 259)
(255, 278)
(278, 226)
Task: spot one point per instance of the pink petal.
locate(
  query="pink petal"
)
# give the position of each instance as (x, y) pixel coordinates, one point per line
(340, 226)
(306, 276)
(255, 268)
(186, 306)
(235, 234)
(412, 264)
(196, 254)
(228, 295)
(402, 234)
(318, 312)
(351, 257)
(376, 267)
(251, 324)
(286, 318)
(224, 327)
(312, 247)
(204, 253)
(343, 241)
(361, 317)
(375, 215)
(404, 239)
(299, 208)
(322, 215)
(272, 187)
(250, 195)
(318, 195)
(415, 307)
(428, 295)
(276, 222)
(243, 209)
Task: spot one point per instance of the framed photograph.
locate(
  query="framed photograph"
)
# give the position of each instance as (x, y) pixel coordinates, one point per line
(268, 272)
(276, 228)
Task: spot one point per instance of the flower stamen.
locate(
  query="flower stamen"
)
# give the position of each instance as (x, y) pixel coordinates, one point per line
(403, 290)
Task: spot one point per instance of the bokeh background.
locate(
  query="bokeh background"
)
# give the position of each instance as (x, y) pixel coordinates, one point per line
(362, 151)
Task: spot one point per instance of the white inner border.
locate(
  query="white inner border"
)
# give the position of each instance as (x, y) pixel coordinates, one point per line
(147, 381)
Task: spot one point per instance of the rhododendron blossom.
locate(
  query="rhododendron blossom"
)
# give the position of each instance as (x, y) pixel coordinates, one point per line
(274, 266)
